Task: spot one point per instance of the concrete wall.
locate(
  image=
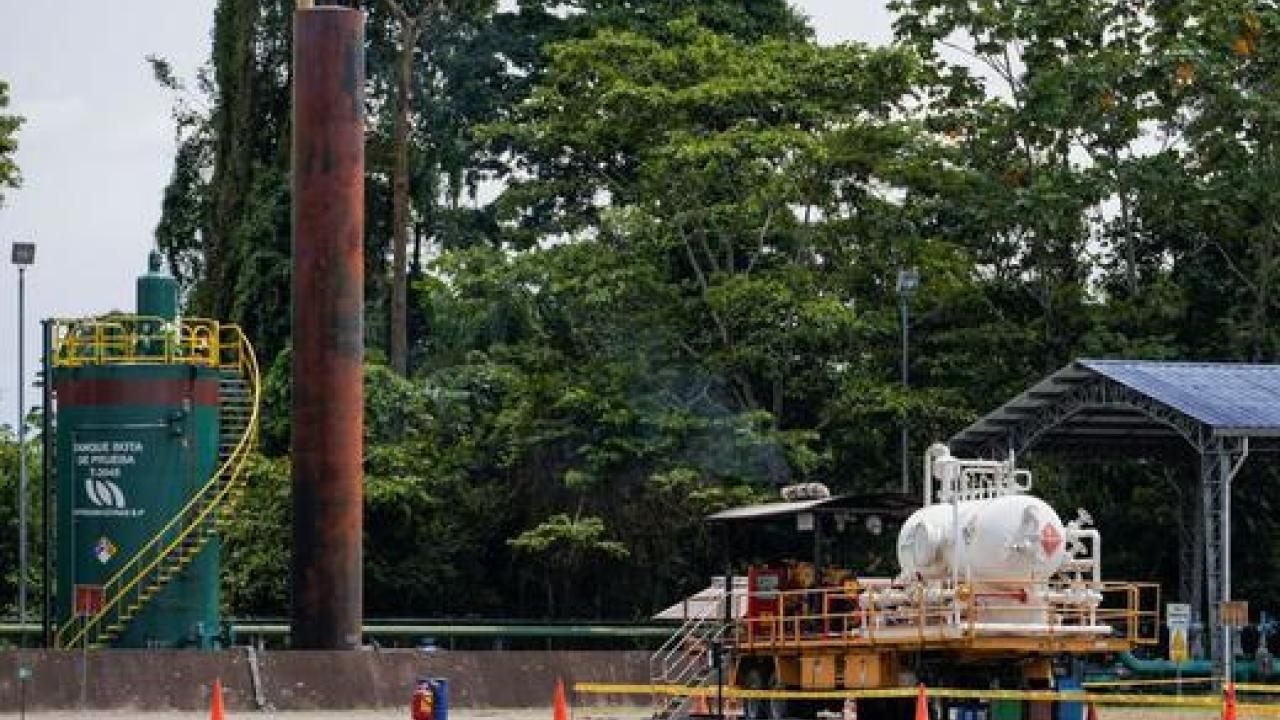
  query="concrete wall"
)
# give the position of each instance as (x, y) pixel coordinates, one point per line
(181, 680)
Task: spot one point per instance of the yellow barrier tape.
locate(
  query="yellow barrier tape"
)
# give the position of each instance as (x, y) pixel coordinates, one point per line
(1257, 688)
(1104, 699)
(1258, 709)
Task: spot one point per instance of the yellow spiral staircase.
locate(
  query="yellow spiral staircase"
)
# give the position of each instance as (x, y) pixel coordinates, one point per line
(140, 340)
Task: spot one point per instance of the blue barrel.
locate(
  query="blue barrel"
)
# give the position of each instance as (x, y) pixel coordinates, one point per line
(1070, 710)
(440, 689)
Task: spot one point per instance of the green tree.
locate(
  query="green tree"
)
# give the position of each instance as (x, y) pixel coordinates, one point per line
(775, 184)
(9, 453)
(414, 21)
(225, 221)
(9, 124)
(1218, 211)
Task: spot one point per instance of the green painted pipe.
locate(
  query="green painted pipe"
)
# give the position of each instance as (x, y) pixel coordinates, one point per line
(1190, 670)
(408, 628)
(442, 630)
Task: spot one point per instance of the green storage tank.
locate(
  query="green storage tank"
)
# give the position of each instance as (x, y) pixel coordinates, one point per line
(138, 412)
(157, 291)
(135, 443)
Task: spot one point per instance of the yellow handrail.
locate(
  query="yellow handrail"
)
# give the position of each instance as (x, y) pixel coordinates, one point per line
(206, 337)
(134, 340)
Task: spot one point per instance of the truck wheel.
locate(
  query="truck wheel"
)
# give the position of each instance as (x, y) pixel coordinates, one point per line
(754, 708)
(765, 709)
(780, 708)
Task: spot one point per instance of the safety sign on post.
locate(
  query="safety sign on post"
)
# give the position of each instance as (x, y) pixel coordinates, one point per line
(1234, 613)
(1178, 620)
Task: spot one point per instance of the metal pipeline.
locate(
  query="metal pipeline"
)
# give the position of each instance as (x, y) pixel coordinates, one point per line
(1244, 669)
(1092, 561)
(328, 326)
(936, 452)
(913, 596)
(935, 595)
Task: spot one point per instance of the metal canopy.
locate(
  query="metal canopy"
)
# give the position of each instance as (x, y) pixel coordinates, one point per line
(892, 505)
(1144, 409)
(1135, 406)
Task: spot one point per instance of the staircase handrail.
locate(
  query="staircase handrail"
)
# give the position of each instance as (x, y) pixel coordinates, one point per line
(688, 668)
(678, 653)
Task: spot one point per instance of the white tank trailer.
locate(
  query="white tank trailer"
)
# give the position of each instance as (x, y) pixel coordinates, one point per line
(985, 554)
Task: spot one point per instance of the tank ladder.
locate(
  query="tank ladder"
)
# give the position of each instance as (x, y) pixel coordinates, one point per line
(180, 541)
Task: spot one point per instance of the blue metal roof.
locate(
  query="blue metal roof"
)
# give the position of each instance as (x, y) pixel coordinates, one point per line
(1123, 404)
(1224, 396)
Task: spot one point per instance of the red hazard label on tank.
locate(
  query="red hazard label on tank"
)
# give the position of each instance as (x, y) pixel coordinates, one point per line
(1050, 539)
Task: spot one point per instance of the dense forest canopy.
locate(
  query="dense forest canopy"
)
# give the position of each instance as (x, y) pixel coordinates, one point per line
(648, 253)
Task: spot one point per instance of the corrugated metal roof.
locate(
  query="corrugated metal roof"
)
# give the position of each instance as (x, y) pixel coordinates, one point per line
(1224, 396)
(753, 512)
(1226, 399)
(886, 504)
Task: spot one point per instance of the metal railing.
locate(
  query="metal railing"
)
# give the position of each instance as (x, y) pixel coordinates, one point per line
(1120, 614)
(132, 340)
(673, 661)
(137, 340)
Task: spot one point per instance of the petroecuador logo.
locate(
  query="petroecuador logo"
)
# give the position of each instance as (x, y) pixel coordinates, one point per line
(104, 549)
(106, 499)
(104, 493)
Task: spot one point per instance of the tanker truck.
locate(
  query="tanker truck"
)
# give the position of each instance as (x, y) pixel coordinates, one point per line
(992, 589)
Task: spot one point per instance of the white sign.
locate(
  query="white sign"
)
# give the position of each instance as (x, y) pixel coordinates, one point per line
(102, 464)
(1178, 619)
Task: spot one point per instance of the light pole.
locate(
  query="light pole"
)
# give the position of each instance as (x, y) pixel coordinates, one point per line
(24, 254)
(908, 283)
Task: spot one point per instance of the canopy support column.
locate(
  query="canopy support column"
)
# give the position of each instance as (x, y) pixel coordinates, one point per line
(1191, 555)
(1219, 463)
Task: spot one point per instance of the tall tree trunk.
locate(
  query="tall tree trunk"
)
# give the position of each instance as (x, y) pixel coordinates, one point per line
(411, 29)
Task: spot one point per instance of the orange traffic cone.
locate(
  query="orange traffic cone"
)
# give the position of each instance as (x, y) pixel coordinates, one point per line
(699, 706)
(561, 708)
(215, 701)
(1093, 712)
(1229, 706)
(922, 704)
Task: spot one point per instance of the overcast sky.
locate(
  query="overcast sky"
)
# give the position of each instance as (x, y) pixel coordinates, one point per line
(96, 149)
